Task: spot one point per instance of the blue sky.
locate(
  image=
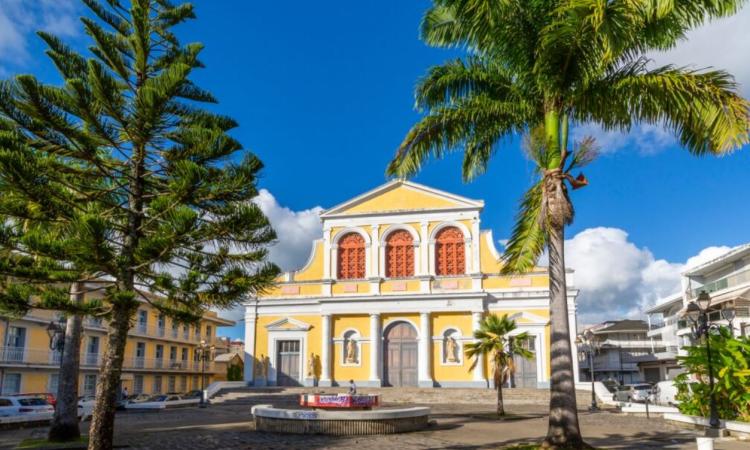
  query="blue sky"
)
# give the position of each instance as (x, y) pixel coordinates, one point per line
(323, 92)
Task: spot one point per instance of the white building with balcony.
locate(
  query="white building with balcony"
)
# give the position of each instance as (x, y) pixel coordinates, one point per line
(727, 280)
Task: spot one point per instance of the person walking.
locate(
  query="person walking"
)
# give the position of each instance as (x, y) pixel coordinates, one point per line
(352, 388)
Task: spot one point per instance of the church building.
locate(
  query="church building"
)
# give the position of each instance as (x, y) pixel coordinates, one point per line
(391, 294)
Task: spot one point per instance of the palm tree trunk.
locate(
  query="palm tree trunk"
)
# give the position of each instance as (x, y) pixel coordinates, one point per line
(500, 405)
(65, 422)
(102, 428)
(563, 428)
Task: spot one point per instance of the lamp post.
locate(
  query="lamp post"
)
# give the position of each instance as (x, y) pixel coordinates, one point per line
(56, 333)
(588, 339)
(204, 353)
(697, 312)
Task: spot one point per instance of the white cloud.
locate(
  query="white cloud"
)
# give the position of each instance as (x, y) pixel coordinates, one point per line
(20, 19)
(617, 278)
(717, 45)
(295, 230)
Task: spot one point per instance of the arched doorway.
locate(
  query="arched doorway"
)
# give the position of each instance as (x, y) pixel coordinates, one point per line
(400, 355)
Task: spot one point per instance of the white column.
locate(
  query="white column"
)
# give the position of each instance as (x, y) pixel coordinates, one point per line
(376, 350)
(424, 251)
(424, 356)
(325, 352)
(572, 325)
(476, 319)
(250, 320)
(377, 264)
(475, 244)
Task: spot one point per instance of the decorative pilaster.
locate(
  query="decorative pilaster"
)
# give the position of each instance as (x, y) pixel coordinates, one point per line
(424, 249)
(424, 356)
(325, 352)
(376, 350)
(327, 254)
(475, 240)
(478, 376)
(250, 320)
(572, 326)
(376, 263)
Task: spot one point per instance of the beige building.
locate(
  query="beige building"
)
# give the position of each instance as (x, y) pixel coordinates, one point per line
(160, 355)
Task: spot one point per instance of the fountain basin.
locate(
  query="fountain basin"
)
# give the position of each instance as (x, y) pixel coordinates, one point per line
(340, 423)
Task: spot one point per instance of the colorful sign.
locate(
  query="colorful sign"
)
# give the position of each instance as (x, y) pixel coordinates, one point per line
(342, 401)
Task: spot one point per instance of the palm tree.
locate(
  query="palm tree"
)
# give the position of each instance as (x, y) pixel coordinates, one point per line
(538, 67)
(493, 340)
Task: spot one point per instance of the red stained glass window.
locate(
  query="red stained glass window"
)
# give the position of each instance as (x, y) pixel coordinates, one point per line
(351, 256)
(399, 254)
(449, 252)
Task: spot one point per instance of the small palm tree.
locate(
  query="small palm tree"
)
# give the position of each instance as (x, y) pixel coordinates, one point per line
(493, 339)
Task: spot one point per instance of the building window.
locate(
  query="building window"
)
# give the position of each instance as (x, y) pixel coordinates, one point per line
(92, 351)
(172, 357)
(159, 360)
(450, 252)
(171, 384)
(15, 344)
(11, 384)
(161, 323)
(53, 382)
(399, 254)
(183, 383)
(184, 357)
(138, 384)
(209, 331)
(185, 332)
(198, 332)
(175, 329)
(157, 384)
(142, 321)
(89, 384)
(196, 386)
(351, 260)
(140, 354)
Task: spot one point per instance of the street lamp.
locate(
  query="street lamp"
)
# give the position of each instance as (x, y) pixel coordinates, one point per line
(204, 352)
(697, 312)
(56, 333)
(589, 341)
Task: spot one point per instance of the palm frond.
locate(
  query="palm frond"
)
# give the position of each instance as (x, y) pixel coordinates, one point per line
(528, 240)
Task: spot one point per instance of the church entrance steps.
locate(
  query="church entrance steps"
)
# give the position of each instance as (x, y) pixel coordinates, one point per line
(290, 396)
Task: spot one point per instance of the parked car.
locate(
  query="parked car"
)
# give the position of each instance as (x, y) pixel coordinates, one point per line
(634, 393)
(164, 398)
(48, 396)
(138, 398)
(16, 405)
(666, 393)
(193, 394)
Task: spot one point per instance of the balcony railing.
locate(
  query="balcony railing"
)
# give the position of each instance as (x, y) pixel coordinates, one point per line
(724, 283)
(51, 358)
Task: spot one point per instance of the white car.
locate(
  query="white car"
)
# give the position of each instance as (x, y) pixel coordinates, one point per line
(22, 405)
(666, 393)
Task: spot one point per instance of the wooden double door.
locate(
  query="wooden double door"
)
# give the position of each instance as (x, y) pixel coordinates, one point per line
(288, 363)
(525, 374)
(400, 355)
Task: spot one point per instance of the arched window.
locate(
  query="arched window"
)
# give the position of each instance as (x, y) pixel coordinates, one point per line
(351, 263)
(399, 254)
(449, 252)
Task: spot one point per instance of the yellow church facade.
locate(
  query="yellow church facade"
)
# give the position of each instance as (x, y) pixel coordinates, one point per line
(390, 295)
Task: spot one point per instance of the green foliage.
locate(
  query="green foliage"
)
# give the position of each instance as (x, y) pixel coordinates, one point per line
(120, 173)
(730, 359)
(551, 64)
(234, 373)
(494, 341)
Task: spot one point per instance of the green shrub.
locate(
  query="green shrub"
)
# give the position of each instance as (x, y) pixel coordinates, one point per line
(730, 359)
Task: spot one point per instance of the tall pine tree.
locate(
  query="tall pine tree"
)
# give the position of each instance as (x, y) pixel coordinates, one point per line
(119, 174)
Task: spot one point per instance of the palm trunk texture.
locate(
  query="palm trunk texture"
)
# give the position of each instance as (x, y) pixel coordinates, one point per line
(563, 431)
(65, 421)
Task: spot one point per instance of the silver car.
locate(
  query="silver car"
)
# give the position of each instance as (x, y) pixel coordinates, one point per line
(22, 405)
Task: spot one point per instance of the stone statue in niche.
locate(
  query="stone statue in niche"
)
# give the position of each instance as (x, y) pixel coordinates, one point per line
(351, 351)
(451, 350)
(311, 366)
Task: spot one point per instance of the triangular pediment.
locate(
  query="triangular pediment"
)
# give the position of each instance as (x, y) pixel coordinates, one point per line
(401, 196)
(288, 324)
(528, 318)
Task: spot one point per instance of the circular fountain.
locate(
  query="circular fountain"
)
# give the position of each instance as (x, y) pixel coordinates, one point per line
(340, 414)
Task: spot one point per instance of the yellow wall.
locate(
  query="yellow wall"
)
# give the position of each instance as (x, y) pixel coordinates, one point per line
(314, 271)
(341, 372)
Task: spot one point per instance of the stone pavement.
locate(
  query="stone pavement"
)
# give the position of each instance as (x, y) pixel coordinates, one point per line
(228, 426)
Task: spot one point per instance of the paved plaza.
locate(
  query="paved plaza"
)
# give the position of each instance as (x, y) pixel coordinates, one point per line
(228, 426)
